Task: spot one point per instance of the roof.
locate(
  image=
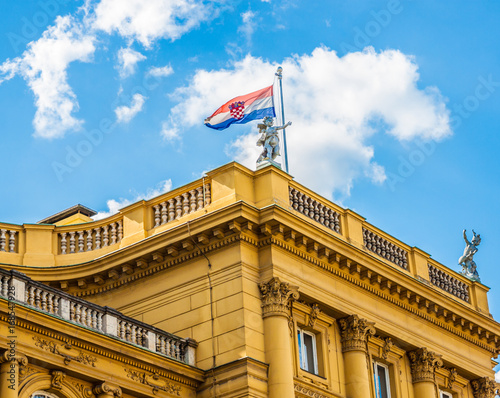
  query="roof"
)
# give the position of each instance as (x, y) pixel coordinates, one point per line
(77, 209)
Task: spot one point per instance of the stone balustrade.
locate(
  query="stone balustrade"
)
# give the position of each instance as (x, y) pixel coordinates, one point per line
(314, 209)
(8, 240)
(180, 205)
(104, 320)
(382, 247)
(448, 283)
(88, 239)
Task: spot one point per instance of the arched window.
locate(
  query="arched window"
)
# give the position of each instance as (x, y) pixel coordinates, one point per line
(42, 394)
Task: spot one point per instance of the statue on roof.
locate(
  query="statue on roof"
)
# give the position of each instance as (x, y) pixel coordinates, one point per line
(269, 139)
(466, 261)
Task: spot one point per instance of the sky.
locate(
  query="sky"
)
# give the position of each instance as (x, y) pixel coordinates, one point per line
(394, 105)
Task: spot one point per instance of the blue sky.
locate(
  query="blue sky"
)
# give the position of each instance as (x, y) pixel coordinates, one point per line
(393, 103)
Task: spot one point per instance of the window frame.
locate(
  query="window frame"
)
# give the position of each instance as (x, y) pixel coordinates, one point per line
(303, 352)
(387, 378)
(445, 394)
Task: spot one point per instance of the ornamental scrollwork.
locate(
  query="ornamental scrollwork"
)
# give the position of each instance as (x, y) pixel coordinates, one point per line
(424, 364)
(277, 297)
(354, 333)
(155, 381)
(66, 351)
(313, 315)
(108, 389)
(57, 379)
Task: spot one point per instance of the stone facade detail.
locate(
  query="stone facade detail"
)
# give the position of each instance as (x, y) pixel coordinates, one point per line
(448, 283)
(315, 311)
(485, 388)
(354, 333)
(424, 364)
(277, 297)
(385, 249)
(57, 379)
(108, 390)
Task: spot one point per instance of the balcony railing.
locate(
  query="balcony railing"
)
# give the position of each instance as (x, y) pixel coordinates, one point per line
(105, 320)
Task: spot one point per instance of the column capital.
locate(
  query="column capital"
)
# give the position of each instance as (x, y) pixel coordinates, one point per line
(484, 388)
(354, 333)
(107, 389)
(424, 364)
(8, 356)
(277, 297)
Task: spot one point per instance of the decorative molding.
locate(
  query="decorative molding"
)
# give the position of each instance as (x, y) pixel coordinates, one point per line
(484, 388)
(355, 332)
(277, 298)
(21, 359)
(304, 391)
(25, 372)
(155, 381)
(57, 379)
(313, 315)
(108, 389)
(66, 351)
(424, 364)
(84, 390)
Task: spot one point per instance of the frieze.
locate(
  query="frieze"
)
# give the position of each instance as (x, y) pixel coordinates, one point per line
(66, 351)
(155, 381)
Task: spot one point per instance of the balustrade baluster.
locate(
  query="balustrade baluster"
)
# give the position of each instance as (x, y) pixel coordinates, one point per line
(164, 213)
(71, 242)
(97, 238)
(12, 241)
(63, 243)
(81, 242)
(2, 239)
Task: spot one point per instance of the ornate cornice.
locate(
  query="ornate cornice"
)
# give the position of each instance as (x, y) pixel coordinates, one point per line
(484, 388)
(424, 364)
(107, 388)
(277, 297)
(354, 333)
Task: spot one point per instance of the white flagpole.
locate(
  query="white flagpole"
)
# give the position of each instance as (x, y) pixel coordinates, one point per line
(279, 74)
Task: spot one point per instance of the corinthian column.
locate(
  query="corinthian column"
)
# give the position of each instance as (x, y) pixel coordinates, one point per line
(484, 388)
(277, 298)
(9, 372)
(354, 334)
(423, 368)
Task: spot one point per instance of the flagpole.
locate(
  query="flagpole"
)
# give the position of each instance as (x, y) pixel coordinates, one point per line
(279, 74)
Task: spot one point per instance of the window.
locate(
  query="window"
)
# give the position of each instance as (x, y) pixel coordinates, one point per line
(307, 351)
(443, 394)
(42, 394)
(382, 382)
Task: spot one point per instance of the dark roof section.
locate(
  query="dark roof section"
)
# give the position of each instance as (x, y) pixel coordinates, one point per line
(68, 213)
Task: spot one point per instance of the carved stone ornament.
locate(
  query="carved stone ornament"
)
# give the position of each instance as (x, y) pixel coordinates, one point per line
(155, 381)
(57, 379)
(484, 388)
(84, 390)
(354, 333)
(313, 315)
(66, 351)
(304, 391)
(25, 372)
(386, 349)
(452, 377)
(9, 355)
(277, 297)
(108, 389)
(424, 364)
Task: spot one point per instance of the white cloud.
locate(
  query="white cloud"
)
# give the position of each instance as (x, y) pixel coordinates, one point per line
(169, 131)
(146, 21)
(248, 25)
(115, 205)
(336, 105)
(127, 61)
(44, 66)
(160, 71)
(125, 114)
(497, 376)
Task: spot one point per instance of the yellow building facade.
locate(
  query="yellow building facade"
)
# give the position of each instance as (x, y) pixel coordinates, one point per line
(240, 284)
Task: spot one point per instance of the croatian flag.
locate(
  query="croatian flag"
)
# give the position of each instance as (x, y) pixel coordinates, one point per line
(243, 109)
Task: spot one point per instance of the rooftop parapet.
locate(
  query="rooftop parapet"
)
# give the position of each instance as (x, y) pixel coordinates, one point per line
(33, 246)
